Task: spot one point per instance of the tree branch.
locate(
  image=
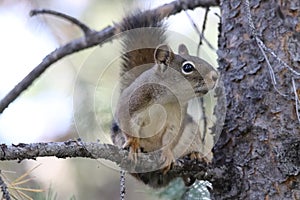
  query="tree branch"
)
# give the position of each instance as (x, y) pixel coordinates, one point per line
(92, 39)
(86, 30)
(68, 149)
(76, 148)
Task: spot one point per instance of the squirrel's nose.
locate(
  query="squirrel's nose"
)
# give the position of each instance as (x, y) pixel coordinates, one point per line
(213, 75)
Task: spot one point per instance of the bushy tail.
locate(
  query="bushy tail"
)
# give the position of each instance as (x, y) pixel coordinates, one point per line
(142, 33)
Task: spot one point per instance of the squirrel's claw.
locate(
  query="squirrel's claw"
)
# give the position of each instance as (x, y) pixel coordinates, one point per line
(133, 144)
(198, 156)
(195, 156)
(168, 158)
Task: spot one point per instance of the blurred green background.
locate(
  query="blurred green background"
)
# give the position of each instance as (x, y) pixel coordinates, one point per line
(75, 97)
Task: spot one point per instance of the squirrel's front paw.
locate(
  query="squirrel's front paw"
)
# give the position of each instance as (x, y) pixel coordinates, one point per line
(168, 158)
(198, 156)
(133, 144)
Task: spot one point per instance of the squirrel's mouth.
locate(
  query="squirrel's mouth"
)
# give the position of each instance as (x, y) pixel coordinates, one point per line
(208, 83)
(201, 90)
(204, 88)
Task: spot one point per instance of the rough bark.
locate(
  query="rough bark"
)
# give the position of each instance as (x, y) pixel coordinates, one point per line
(260, 141)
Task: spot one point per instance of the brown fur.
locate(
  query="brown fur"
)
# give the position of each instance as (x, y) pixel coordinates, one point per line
(152, 75)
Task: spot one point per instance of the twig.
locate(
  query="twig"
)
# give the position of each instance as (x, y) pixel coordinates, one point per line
(93, 39)
(270, 51)
(259, 42)
(198, 53)
(122, 184)
(263, 48)
(249, 18)
(6, 195)
(203, 29)
(86, 30)
(272, 74)
(199, 33)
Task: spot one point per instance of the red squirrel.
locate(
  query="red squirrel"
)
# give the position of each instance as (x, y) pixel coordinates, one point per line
(156, 85)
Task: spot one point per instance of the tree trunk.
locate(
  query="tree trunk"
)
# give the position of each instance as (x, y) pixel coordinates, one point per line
(260, 141)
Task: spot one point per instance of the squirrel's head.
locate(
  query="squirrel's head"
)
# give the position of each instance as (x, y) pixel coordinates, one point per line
(201, 75)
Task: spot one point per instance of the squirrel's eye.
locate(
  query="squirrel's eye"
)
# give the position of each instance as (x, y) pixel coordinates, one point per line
(187, 67)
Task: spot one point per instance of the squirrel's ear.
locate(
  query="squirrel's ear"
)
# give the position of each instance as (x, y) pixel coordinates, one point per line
(182, 50)
(163, 54)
